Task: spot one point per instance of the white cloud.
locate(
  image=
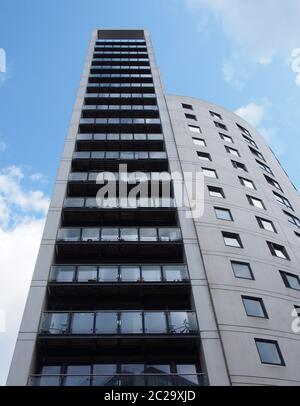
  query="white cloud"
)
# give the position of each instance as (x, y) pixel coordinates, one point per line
(22, 218)
(37, 176)
(253, 113)
(295, 64)
(257, 115)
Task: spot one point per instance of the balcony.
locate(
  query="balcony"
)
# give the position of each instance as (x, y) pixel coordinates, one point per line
(122, 87)
(120, 142)
(120, 69)
(148, 161)
(157, 379)
(129, 244)
(120, 98)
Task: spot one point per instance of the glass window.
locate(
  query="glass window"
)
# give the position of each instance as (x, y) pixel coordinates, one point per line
(204, 156)
(216, 192)
(74, 202)
(190, 117)
(108, 273)
(45, 380)
(278, 250)
(157, 155)
(130, 273)
(232, 240)
(141, 155)
(112, 155)
(226, 138)
(291, 281)
(187, 374)
(131, 323)
(266, 224)
(215, 115)
(109, 234)
(232, 151)
(269, 352)
(78, 375)
(82, 323)
(210, 173)
(113, 137)
(256, 202)
(104, 375)
(242, 270)
(81, 155)
(69, 234)
(155, 323)
(62, 273)
(254, 307)
(148, 234)
(91, 202)
(98, 155)
(223, 214)
(151, 273)
(248, 183)
(239, 165)
(78, 176)
(100, 137)
(126, 155)
(106, 323)
(129, 234)
(175, 273)
(87, 273)
(183, 322)
(158, 369)
(55, 323)
(194, 129)
(90, 234)
(187, 106)
(169, 234)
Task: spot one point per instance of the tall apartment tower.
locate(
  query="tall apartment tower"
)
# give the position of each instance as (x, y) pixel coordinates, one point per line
(147, 295)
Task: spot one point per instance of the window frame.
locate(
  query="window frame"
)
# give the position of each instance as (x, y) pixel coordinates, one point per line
(261, 221)
(274, 342)
(224, 209)
(273, 250)
(232, 262)
(262, 305)
(233, 236)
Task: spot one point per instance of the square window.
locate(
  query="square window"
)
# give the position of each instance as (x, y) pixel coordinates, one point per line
(254, 201)
(266, 224)
(204, 156)
(194, 129)
(278, 251)
(199, 141)
(239, 165)
(269, 352)
(244, 130)
(226, 138)
(216, 192)
(290, 280)
(220, 125)
(250, 141)
(273, 182)
(232, 240)
(210, 173)
(283, 200)
(264, 167)
(187, 106)
(242, 270)
(247, 183)
(191, 117)
(254, 307)
(257, 153)
(223, 214)
(215, 115)
(232, 151)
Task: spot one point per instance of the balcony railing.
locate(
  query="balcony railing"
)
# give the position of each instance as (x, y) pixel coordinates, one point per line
(120, 95)
(121, 84)
(121, 67)
(117, 59)
(124, 234)
(119, 380)
(131, 177)
(118, 274)
(120, 137)
(122, 121)
(110, 322)
(120, 75)
(116, 203)
(120, 155)
(116, 107)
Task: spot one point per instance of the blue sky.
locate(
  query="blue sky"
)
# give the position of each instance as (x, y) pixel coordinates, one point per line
(236, 53)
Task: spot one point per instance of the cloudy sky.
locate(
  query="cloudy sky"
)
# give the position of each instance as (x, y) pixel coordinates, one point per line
(242, 54)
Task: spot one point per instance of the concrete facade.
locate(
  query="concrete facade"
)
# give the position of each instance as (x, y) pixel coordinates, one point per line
(228, 350)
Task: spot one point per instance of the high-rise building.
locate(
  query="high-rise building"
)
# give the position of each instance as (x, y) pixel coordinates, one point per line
(145, 294)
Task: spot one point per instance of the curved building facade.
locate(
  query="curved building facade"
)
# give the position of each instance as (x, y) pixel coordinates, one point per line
(146, 294)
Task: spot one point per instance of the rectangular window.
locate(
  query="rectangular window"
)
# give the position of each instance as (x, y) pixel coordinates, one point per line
(242, 270)
(191, 117)
(199, 141)
(194, 129)
(254, 201)
(239, 165)
(247, 183)
(87, 273)
(292, 219)
(216, 115)
(290, 280)
(269, 352)
(220, 125)
(210, 173)
(223, 214)
(226, 138)
(187, 106)
(264, 167)
(232, 240)
(266, 224)
(243, 129)
(204, 156)
(256, 153)
(283, 200)
(273, 182)
(232, 151)
(254, 307)
(216, 192)
(250, 141)
(278, 251)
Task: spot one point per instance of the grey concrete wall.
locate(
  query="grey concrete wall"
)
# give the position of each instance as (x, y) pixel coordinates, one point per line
(24, 354)
(236, 328)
